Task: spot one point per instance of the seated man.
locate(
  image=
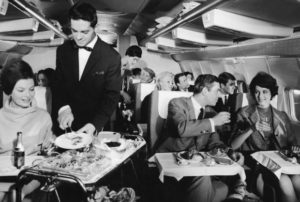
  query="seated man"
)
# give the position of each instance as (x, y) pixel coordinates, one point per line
(191, 125)
(227, 87)
(226, 102)
(181, 82)
(190, 80)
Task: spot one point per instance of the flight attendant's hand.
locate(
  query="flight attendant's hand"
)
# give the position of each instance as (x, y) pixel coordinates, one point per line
(65, 118)
(87, 128)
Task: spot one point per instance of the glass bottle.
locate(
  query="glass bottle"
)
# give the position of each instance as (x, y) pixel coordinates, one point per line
(19, 152)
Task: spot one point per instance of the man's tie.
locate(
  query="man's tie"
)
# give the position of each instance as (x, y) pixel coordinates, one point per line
(226, 100)
(201, 114)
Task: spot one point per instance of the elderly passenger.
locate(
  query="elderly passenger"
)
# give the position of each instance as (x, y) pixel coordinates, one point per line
(20, 113)
(165, 81)
(147, 75)
(261, 127)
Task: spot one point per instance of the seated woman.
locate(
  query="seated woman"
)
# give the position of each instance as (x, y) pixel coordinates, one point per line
(20, 113)
(165, 81)
(260, 127)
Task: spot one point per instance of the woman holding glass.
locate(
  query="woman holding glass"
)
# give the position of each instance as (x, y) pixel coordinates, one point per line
(261, 127)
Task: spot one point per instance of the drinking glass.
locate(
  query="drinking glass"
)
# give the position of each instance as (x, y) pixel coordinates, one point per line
(265, 120)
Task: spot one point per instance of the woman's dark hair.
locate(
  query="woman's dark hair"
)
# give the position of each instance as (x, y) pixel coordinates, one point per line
(204, 80)
(84, 11)
(14, 72)
(134, 51)
(264, 80)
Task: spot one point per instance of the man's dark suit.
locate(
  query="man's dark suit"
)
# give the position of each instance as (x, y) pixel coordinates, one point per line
(94, 97)
(184, 132)
(230, 106)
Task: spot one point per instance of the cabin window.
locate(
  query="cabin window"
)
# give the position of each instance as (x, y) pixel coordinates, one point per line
(295, 104)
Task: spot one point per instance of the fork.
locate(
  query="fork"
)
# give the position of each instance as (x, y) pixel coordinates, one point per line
(69, 129)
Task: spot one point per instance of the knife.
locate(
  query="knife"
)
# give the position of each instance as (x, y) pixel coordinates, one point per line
(282, 155)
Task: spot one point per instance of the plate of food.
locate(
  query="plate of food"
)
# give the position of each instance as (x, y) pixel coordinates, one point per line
(73, 140)
(187, 157)
(217, 152)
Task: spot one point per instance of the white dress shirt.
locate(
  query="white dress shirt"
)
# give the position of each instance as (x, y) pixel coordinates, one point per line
(197, 107)
(83, 56)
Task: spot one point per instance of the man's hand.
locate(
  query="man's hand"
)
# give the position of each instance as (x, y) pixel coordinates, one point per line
(87, 128)
(236, 156)
(65, 118)
(295, 149)
(221, 118)
(126, 97)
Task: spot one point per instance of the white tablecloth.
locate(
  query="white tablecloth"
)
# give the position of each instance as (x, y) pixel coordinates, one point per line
(275, 163)
(7, 168)
(167, 166)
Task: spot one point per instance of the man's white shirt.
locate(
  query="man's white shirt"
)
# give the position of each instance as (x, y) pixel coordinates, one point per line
(197, 107)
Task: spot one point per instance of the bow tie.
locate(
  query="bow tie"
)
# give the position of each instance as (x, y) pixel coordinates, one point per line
(83, 47)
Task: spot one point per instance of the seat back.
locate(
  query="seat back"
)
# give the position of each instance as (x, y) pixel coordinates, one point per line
(158, 112)
(43, 97)
(141, 91)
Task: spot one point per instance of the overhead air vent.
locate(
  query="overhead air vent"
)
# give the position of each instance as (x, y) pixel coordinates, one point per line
(194, 36)
(239, 25)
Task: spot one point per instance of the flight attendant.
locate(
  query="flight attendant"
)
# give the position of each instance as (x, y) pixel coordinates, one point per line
(87, 77)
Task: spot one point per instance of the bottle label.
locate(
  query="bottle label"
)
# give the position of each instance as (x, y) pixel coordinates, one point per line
(19, 159)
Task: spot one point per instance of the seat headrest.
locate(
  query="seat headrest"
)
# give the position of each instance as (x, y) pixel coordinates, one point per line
(164, 98)
(146, 89)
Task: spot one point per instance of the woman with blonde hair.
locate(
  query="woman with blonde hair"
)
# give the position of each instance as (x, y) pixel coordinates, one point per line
(165, 81)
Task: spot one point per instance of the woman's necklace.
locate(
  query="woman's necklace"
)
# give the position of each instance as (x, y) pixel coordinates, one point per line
(265, 114)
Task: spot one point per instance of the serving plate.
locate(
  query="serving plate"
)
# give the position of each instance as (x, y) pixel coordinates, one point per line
(73, 140)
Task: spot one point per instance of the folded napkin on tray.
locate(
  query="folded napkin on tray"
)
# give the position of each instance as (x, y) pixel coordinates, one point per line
(276, 163)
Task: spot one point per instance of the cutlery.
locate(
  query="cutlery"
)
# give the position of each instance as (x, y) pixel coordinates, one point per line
(282, 155)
